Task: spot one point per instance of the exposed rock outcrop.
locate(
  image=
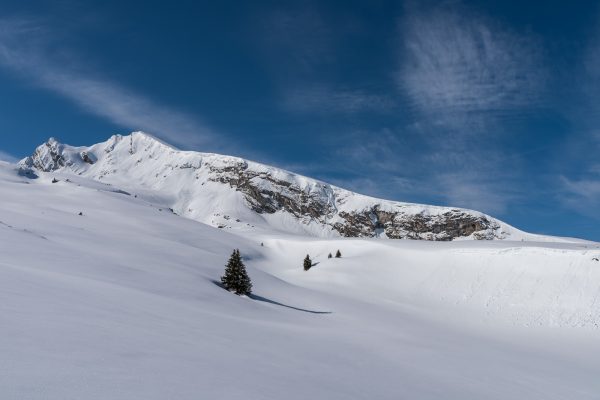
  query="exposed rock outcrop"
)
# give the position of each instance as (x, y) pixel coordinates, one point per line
(47, 157)
(399, 225)
(266, 194)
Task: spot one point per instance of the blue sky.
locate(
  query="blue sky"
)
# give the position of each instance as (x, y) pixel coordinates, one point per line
(483, 104)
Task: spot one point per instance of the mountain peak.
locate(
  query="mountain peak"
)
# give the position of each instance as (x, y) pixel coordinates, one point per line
(147, 137)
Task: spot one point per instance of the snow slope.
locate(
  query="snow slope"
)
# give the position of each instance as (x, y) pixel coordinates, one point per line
(120, 303)
(234, 193)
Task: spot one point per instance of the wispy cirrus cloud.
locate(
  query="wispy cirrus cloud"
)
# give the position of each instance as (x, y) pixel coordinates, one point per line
(25, 49)
(475, 192)
(388, 165)
(4, 156)
(458, 66)
(580, 190)
(472, 191)
(467, 79)
(582, 195)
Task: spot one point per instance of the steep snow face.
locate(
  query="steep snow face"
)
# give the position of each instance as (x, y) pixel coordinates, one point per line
(230, 192)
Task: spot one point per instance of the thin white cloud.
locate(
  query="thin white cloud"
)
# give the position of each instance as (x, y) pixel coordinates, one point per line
(323, 99)
(4, 156)
(475, 193)
(24, 49)
(466, 79)
(595, 169)
(470, 178)
(458, 66)
(582, 196)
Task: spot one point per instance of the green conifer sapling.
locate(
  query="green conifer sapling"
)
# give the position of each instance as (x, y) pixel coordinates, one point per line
(307, 263)
(236, 278)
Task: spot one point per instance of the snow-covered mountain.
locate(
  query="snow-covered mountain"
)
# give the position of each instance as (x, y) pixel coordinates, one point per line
(230, 192)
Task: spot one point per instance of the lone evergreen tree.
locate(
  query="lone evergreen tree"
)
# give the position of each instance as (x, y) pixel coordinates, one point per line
(338, 254)
(307, 263)
(329, 256)
(236, 278)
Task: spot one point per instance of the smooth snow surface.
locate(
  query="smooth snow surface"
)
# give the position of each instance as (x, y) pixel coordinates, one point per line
(120, 303)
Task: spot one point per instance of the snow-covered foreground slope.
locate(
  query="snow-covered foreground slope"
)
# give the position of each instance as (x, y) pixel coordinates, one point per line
(120, 303)
(233, 193)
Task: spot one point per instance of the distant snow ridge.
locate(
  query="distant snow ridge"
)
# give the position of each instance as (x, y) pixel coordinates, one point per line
(230, 192)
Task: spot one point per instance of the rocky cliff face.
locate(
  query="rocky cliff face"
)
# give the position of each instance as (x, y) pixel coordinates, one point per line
(229, 192)
(449, 225)
(267, 194)
(372, 221)
(47, 157)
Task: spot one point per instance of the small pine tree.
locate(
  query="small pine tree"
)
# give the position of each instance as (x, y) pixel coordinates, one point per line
(236, 278)
(329, 256)
(307, 263)
(338, 254)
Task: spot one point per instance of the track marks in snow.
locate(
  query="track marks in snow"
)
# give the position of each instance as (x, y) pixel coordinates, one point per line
(23, 230)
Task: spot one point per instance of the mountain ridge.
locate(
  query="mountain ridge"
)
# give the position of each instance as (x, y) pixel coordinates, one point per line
(235, 193)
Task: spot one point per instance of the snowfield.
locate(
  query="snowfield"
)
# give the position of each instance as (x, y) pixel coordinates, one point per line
(121, 303)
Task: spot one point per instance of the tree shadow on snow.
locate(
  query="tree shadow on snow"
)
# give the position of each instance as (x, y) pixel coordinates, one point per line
(266, 300)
